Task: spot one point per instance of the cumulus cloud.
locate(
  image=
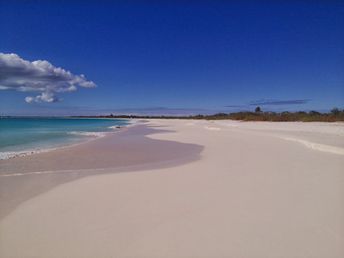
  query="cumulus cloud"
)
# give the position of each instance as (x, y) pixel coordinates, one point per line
(40, 77)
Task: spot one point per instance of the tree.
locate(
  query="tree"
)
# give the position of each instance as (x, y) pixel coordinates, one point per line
(335, 111)
(312, 112)
(258, 109)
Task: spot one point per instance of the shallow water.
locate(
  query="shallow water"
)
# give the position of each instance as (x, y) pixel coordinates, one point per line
(24, 135)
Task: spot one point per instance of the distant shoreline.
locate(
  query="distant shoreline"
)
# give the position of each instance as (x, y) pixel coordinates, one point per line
(335, 115)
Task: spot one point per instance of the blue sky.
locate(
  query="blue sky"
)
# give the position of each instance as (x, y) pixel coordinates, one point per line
(177, 57)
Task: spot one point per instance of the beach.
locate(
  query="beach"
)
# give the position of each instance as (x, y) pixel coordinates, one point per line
(180, 188)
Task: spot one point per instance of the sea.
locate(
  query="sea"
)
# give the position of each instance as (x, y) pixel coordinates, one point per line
(20, 136)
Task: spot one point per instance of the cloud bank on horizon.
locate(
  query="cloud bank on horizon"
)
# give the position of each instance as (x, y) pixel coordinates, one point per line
(39, 76)
(272, 102)
(279, 102)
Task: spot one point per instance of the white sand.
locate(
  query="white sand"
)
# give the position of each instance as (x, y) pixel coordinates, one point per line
(253, 193)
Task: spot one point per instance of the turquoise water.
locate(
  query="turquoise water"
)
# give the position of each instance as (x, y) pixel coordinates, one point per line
(34, 134)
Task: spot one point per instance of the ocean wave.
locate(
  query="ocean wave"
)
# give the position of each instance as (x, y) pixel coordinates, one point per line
(93, 134)
(14, 154)
(114, 127)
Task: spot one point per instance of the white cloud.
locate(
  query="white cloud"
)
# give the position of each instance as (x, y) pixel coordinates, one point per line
(38, 76)
(44, 97)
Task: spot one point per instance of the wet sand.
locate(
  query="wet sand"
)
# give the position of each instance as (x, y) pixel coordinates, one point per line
(23, 178)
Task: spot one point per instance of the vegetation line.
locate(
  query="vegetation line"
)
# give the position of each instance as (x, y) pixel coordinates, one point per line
(334, 115)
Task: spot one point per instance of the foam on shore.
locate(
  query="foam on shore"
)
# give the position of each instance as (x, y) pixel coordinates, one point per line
(91, 134)
(15, 154)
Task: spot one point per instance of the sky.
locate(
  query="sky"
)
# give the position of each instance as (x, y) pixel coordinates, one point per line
(170, 57)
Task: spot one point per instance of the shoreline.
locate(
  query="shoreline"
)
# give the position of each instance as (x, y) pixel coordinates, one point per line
(6, 155)
(24, 177)
(89, 136)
